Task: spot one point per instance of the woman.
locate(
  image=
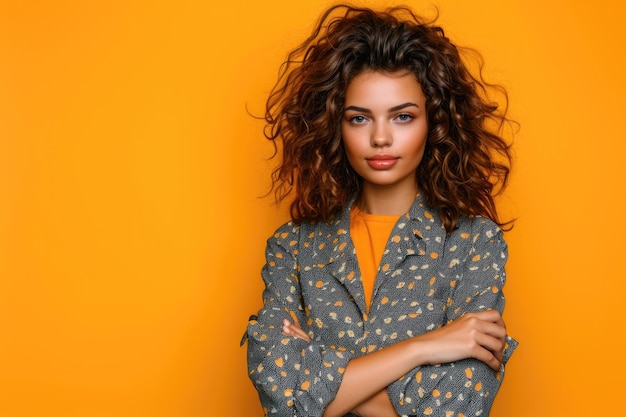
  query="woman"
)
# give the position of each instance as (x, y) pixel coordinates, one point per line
(383, 294)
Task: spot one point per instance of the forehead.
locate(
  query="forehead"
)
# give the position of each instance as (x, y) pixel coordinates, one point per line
(379, 86)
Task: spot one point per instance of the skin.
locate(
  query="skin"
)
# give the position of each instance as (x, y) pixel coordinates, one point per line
(385, 114)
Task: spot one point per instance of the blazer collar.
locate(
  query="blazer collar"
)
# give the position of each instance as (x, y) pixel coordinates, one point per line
(427, 225)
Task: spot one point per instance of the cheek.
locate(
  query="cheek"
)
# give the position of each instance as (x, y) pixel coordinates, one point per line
(422, 138)
(414, 142)
(351, 142)
(351, 152)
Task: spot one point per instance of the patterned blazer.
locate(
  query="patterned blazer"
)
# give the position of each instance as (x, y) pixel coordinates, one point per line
(426, 278)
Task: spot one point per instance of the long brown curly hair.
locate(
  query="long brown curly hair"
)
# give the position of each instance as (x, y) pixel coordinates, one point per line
(466, 162)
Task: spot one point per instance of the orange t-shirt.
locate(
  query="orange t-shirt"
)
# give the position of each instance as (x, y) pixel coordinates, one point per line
(370, 233)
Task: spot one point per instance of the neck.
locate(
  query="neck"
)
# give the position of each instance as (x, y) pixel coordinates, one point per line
(386, 202)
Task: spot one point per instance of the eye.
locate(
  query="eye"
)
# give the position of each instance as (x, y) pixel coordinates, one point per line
(404, 117)
(358, 120)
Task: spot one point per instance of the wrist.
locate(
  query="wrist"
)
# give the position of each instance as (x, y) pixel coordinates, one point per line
(421, 350)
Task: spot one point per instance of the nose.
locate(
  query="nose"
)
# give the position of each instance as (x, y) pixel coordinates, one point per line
(381, 136)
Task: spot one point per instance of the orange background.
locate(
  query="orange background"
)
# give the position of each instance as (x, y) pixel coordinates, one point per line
(132, 235)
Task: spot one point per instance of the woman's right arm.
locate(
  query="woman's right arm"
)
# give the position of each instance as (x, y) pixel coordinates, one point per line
(292, 376)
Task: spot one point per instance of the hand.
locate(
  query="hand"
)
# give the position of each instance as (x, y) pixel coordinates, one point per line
(291, 329)
(480, 335)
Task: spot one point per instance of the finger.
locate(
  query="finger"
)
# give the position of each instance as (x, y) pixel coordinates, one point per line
(499, 356)
(494, 346)
(491, 361)
(294, 330)
(493, 329)
(488, 357)
(489, 315)
(299, 332)
(492, 342)
(286, 328)
(489, 336)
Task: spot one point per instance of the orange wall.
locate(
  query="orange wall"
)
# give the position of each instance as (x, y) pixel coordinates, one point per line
(131, 235)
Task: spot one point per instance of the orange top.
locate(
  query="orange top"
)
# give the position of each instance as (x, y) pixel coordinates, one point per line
(370, 233)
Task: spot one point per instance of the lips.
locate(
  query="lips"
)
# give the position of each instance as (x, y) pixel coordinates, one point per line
(382, 161)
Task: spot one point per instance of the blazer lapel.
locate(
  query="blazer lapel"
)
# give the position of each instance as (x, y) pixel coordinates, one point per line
(344, 265)
(426, 238)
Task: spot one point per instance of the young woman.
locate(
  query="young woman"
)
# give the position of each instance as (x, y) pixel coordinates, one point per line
(383, 295)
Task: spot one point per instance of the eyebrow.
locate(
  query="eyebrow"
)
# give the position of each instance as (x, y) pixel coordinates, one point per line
(392, 109)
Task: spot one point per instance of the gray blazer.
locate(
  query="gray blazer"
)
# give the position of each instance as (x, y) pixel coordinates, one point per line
(426, 278)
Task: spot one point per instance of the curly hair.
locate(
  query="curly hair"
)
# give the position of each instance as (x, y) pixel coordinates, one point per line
(466, 163)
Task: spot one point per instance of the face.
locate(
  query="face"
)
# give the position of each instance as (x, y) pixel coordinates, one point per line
(384, 129)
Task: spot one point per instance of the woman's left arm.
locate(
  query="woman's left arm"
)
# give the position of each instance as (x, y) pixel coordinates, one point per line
(467, 386)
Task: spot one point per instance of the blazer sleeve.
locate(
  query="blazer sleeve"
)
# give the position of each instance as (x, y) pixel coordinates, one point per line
(292, 377)
(466, 387)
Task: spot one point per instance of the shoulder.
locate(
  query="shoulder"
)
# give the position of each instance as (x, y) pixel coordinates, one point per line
(285, 233)
(477, 232)
(291, 232)
(311, 241)
(289, 227)
(477, 224)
